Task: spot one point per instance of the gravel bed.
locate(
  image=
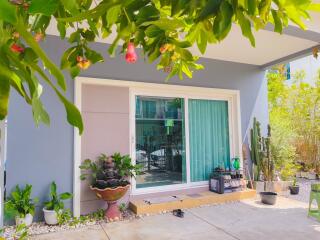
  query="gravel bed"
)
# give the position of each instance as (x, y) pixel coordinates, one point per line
(41, 228)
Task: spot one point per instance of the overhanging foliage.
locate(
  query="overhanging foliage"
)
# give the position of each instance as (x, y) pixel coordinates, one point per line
(164, 29)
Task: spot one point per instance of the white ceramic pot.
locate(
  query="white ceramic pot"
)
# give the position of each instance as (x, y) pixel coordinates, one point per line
(27, 220)
(50, 217)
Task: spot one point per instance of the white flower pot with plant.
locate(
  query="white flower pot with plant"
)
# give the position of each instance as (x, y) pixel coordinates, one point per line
(20, 205)
(55, 206)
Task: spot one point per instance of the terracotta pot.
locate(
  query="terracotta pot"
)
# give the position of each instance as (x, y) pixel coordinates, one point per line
(111, 196)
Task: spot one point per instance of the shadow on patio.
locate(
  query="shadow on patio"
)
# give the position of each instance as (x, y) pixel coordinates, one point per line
(246, 220)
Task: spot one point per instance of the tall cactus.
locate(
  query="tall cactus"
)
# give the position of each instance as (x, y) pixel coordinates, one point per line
(255, 149)
(261, 153)
(267, 164)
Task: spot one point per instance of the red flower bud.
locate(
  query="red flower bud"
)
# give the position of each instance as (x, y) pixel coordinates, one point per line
(131, 56)
(16, 48)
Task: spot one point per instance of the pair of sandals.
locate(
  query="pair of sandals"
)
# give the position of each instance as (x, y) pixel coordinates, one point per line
(178, 213)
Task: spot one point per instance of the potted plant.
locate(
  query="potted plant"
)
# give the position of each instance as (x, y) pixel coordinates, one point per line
(294, 188)
(109, 179)
(20, 205)
(55, 206)
(262, 159)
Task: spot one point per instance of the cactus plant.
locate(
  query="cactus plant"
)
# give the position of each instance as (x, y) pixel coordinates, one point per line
(255, 149)
(261, 153)
(267, 164)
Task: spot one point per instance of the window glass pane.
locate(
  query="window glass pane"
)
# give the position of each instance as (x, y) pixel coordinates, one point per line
(160, 141)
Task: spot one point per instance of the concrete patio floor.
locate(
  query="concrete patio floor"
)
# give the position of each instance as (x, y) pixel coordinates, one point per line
(244, 220)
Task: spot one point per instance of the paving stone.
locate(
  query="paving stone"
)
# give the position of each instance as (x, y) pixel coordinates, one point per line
(91, 233)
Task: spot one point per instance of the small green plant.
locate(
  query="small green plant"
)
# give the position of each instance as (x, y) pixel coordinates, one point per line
(20, 203)
(294, 183)
(21, 232)
(122, 207)
(56, 200)
(124, 165)
(64, 217)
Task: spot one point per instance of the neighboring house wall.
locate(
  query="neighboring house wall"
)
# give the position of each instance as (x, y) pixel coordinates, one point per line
(41, 155)
(310, 65)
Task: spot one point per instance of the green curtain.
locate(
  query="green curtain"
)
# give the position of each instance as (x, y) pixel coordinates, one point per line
(208, 137)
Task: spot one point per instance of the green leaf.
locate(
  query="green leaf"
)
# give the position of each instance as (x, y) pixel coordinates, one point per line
(53, 69)
(65, 57)
(93, 56)
(223, 21)
(30, 55)
(53, 189)
(4, 96)
(88, 35)
(277, 21)
(71, 6)
(61, 26)
(74, 71)
(8, 12)
(73, 114)
(167, 24)
(314, 7)
(147, 13)
(185, 54)
(211, 8)
(246, 27)
(39, 113)
(153, 31)
(113, 14)
(65, 196)
(40, 23)
(113, 47)
(45, 7)
(186, 70)
(252, 5)
(202, 42)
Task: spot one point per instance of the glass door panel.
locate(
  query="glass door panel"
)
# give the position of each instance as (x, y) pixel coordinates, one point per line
(160, 141)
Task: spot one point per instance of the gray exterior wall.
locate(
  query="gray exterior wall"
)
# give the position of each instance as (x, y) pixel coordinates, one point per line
(39, 155)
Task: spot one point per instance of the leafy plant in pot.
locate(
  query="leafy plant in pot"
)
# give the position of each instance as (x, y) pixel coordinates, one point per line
(262, 159)
(109, 179)
(20, 205)
(294, 188)
(55, 207)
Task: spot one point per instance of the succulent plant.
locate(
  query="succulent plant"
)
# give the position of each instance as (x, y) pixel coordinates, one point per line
(109, 171)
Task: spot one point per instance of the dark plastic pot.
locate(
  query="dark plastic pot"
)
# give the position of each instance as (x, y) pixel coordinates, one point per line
(269, 198)
(294, 190)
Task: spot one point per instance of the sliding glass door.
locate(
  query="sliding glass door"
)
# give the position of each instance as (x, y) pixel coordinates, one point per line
(160, 144)
(208, 137)
(160, 141)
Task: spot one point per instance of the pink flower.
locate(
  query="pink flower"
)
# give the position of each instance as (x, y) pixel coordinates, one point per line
(131, 55)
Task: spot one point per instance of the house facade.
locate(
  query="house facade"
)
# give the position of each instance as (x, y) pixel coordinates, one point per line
(178, 131)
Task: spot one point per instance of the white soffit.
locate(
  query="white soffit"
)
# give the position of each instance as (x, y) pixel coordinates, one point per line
(270, 46)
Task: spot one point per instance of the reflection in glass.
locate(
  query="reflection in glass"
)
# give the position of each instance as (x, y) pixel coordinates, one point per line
(160, 144)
